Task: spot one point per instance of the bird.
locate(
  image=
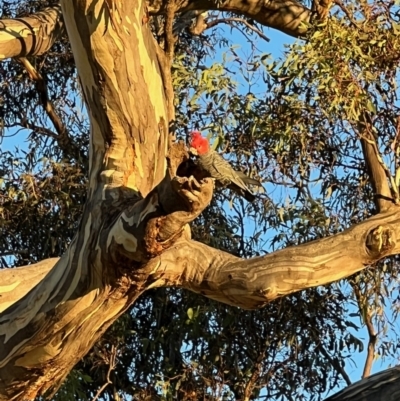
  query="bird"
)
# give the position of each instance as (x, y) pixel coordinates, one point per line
(218, 168)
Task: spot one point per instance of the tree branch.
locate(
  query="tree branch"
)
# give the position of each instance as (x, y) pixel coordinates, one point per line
(373, 337)
(111, 366)
(165, 58)
(335, 364)
(122, 71)
(347, 12)
(41, 87)
(288, 16)
(201, 25)
(17, 282)
(377, 170)
(31, 36)
(252, 283)
(36, 128)
(63, 139)
(382, 386)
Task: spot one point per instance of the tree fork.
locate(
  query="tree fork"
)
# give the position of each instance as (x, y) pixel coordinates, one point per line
(134, 234)
(47, 331)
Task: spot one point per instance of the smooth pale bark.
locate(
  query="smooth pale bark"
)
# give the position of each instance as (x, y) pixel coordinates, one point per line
(251, 283)
(288, 16)
(16, 283)
(30, 36)
(134, 231)
(19, 37)
(53, 326)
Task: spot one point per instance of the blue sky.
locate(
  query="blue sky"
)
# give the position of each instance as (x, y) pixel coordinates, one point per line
(275, 47)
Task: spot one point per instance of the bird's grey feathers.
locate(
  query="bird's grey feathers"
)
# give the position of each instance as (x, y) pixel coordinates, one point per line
(219, 169)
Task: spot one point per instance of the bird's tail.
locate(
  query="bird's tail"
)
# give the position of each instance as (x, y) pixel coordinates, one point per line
(249, 196)
(248, 180)
(243, 192)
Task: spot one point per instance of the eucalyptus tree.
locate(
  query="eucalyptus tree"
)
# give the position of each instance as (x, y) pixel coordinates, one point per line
(109, 209)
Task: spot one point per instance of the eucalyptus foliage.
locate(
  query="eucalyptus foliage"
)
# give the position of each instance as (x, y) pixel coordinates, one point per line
(294, 122)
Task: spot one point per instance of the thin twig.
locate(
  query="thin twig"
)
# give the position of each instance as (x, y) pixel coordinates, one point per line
(373, 336)
(42, 130)
(235, 19)
(347, 12)
(9, 253)
(335, 364)
(41, 87)
(63, 139)
(111, 367)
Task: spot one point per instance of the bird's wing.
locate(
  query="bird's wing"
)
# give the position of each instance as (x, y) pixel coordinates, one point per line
(226, 171)
(248, 180)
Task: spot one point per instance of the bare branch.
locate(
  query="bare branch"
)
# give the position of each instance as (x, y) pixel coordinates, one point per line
(335, 364)
(379, 174)
(200, 27)
(118, 157)
(372, 335)
(111, 366)
(62, 137)
(252, 283)
(168, 30)
(41, 87)
(347, 12)
(169, 47)
(38, 129)
(288, 16)
(23, 122)
(31, 36)
(17, 282)
(17, 251)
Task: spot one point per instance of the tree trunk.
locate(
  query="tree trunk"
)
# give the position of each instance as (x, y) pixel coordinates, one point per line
(134, 232)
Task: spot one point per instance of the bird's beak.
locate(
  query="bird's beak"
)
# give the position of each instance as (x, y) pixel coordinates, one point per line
(193, 151)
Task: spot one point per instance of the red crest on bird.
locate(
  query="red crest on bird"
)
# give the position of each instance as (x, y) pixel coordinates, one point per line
(199, 143)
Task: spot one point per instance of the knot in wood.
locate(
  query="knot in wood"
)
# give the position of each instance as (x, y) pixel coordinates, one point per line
(380, 240)
(197, 196)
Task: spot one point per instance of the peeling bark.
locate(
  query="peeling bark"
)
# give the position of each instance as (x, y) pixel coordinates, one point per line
(126, 219)
(251, 283)
(288, 16)
(15, 283)
(134, 233)
(30, 36)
